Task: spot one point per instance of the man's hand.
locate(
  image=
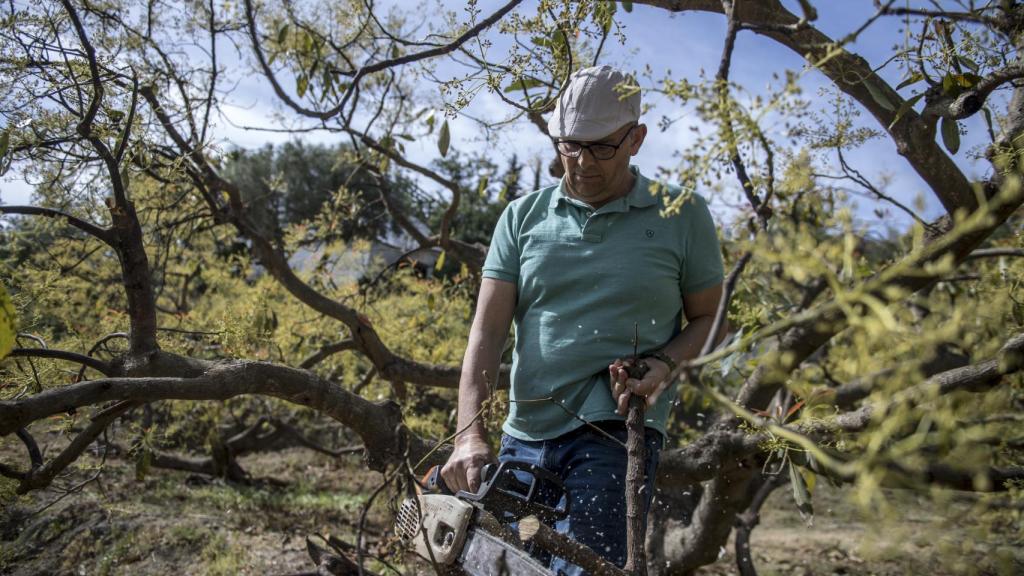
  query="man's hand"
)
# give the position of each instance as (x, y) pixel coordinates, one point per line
(462, 471)
(650, 386)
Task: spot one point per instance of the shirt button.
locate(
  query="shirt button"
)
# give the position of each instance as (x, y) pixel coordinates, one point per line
(589, 214)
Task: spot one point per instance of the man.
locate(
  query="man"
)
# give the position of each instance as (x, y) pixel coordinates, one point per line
(576, 266)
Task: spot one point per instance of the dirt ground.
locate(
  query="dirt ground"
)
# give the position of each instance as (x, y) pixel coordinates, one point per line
(177, 523)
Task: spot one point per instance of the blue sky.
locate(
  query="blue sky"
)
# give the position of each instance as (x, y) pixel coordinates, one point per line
(685, 44)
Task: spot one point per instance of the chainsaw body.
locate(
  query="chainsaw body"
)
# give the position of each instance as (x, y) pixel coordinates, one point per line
(442, 527)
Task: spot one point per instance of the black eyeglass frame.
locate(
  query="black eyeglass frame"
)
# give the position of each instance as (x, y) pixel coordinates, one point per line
(590, 147)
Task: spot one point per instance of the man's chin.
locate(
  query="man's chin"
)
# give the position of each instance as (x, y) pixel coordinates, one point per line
(587, 190)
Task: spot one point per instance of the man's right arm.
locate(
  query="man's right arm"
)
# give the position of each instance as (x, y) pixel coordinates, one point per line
(494, 310)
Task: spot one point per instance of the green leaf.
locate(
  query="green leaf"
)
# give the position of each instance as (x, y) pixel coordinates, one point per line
(8, 323)
(282, 34)
(800, 494)
(948, 84)
(915, 77)
(878, 95)
(558, 40)
(440, 262)
(627, 6)
(810, 479)
(542, 42)
(430, 120)
(604, 15)
(904, 108)
(984, 109)
(522, 84)
(967, 80)
(444, 139)
(481, 188)
(301, 83)
(968, 63)
(951, 135)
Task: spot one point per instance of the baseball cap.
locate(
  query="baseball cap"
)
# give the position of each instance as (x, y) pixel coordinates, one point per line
(591, 107)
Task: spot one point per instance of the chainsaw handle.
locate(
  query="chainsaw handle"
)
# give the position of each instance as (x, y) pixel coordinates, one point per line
(501, 492)
(433, 482)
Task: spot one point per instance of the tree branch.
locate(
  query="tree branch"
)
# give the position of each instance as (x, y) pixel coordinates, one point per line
(94, 363)
(972, 100)
(365, 69)
(374, 422)
(995, 253)
(103, 234)
(42, 477)
(913, 136)
(326, 351)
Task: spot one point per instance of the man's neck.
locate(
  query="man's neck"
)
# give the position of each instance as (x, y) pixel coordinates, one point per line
(623, 192)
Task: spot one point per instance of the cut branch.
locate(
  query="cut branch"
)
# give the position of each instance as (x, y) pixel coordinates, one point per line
(532, 529)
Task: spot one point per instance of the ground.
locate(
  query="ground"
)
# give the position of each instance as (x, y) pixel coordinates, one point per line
(176, 523)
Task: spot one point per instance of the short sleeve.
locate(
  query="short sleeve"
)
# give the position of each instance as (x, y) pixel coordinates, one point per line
(702, 262)
(502, 261)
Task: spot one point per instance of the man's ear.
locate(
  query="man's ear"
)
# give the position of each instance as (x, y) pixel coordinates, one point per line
(637, 139)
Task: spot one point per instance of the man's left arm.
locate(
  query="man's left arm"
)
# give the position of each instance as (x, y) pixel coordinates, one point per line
(700, 309)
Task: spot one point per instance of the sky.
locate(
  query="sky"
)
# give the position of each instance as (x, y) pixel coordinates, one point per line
(686, 44)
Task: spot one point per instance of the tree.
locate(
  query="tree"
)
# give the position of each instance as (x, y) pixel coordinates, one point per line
(292, 183)
(870, 369)
(479, 211)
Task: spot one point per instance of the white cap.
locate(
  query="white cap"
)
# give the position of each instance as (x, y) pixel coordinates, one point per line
(591, 107)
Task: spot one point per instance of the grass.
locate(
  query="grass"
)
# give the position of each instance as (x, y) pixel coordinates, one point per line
(173, 523)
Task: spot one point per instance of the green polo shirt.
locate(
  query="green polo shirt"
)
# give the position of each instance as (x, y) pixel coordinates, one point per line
(583, 278)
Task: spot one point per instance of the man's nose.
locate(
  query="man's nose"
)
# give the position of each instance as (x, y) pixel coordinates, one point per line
(586, 158)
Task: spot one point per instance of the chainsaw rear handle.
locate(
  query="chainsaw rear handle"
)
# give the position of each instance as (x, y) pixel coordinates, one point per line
(503, 494)
(434, 483)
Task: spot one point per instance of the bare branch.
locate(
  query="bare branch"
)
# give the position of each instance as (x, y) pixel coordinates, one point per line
(42, 477)
(34, 455)
(374, 422)
(723, 303)
(996, 253)
(85, 125)
(94, 363)
(913, 136)
(103, 234)
(749, 519)
(366, 69)
(326, 351)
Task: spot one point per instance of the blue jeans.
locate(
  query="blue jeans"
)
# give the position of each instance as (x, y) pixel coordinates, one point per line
(593, 470)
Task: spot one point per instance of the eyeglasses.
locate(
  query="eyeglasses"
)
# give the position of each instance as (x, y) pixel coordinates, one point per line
(571, 149)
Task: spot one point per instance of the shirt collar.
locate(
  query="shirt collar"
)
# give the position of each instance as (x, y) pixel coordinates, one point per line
(639, 197)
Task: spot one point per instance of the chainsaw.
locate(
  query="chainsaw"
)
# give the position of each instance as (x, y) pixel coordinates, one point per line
(466, 532)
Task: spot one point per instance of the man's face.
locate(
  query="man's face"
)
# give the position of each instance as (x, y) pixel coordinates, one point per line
(597, 182)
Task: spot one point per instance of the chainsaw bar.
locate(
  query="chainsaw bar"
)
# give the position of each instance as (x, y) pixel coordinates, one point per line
(487, 555)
